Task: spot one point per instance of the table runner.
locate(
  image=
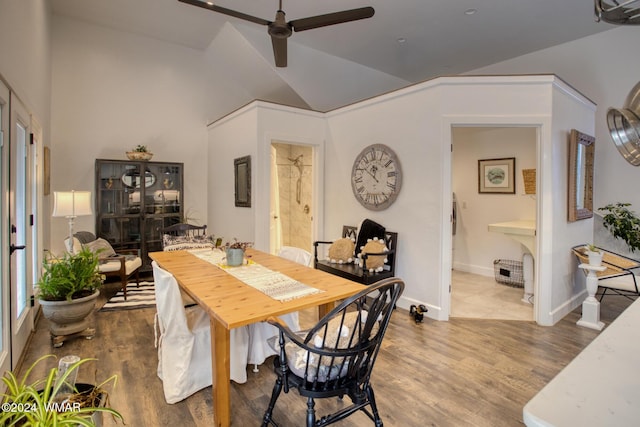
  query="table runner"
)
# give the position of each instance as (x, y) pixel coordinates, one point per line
(271, 283)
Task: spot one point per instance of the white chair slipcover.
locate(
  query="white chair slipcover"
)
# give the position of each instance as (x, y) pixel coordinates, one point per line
(296, 254)
(260, 332)
(184, 344)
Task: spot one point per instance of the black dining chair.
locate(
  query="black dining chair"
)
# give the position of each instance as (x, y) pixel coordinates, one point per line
(335, 358)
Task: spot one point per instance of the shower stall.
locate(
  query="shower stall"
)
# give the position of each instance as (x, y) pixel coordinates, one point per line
(291, 196)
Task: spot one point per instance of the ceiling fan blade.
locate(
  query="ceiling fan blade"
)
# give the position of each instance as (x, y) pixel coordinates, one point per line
(331, 18)
(226, 11)
(279, 51)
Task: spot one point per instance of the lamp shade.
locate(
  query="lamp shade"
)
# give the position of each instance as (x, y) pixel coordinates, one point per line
(71, 203)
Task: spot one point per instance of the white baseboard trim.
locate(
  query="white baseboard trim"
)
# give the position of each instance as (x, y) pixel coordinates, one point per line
(474, 269)
(566, 308)
(434, 312)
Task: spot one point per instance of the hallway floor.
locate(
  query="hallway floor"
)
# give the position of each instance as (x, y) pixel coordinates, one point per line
(481, 297)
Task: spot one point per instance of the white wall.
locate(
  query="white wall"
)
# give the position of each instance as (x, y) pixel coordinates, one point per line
(25, 66)
(475, 247)
(417, 124)
(250, 131)
(114, 90)
(604, 67)
(25, 50)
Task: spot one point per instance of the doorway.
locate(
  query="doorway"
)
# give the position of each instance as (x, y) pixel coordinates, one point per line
(474, 290)
(291, 198)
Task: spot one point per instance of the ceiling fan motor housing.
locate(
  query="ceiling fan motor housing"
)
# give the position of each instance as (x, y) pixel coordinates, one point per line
(280, 28)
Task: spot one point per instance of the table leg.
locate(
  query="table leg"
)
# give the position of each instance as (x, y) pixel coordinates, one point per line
(220, 359)
(324, 309)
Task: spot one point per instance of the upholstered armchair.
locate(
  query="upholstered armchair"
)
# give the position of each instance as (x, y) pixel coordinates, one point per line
(123, 265)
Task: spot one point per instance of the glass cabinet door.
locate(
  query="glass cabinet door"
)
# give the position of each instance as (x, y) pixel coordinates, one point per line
(135, 200)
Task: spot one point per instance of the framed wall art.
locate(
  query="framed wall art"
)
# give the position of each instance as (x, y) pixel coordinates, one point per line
(497, 176)
(242, 178)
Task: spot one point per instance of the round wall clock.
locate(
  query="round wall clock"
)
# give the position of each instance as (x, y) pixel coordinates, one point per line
(376, 177)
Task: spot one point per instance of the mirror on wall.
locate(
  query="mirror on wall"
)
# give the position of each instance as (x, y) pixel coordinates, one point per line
(580, 194)
(132, 179)
(242, 173)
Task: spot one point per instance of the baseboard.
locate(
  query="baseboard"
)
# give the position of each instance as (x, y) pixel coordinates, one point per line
(567, 307)
(434, 312)
(474, 269)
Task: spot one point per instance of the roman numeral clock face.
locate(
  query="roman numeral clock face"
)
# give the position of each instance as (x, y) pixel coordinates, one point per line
(376, 177)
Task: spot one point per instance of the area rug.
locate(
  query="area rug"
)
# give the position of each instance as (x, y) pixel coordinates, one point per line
(137, 297)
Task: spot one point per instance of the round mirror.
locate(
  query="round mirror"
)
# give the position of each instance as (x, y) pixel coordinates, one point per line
(131, 179)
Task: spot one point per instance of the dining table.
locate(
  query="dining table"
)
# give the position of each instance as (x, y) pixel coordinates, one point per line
(232, 301)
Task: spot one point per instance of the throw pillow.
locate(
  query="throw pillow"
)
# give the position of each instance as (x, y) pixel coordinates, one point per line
(100, 247)
(85, 236)
(178, 243)
(375, 263)
(324, 368)
(341, 251)
(75, 247)
(344, 336)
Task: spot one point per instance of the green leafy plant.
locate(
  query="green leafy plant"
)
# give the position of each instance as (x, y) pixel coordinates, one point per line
(69, 277)
(623, 223)
(36, 404)
(141, 149)
(593, 248)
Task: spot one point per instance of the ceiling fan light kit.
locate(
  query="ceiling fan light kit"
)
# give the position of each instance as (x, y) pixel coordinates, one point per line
(280, 30)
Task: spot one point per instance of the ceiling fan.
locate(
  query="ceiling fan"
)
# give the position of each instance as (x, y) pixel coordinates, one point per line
(280, 30)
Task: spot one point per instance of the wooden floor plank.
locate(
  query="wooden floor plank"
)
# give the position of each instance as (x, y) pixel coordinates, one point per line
(464, 372)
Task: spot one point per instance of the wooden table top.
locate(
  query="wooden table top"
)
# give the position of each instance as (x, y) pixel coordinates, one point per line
(233, 303)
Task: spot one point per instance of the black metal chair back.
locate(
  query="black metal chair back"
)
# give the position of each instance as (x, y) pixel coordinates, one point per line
(336, 357)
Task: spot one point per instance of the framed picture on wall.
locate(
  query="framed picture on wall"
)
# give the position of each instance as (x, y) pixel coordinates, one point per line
(242, 179)
(497, 176)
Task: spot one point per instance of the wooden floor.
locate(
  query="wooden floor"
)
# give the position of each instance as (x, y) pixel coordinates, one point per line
(464, 372)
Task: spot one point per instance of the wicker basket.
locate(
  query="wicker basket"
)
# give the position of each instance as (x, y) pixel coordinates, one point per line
(529, 176)
(139, 155)
(509, 272)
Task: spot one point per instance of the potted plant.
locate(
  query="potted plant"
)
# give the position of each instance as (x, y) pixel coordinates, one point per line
(67, 292)
(235, 252)
(140, 152)
(39, 404)
(623, 224)
(595, 255)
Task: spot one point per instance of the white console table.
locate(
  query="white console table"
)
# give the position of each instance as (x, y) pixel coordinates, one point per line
(600, 387)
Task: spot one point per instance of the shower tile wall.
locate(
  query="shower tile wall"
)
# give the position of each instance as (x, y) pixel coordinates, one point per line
(295, 222)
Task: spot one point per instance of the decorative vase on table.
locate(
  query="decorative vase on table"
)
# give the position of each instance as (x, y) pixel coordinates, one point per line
(595, 256)
(235, 257)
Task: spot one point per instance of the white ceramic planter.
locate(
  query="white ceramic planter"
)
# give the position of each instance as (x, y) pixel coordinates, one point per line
(595, 258)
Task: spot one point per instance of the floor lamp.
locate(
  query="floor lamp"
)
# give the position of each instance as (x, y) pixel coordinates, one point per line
(71, 204)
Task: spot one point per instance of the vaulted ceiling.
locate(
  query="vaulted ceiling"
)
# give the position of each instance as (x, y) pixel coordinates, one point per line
(405, 42)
